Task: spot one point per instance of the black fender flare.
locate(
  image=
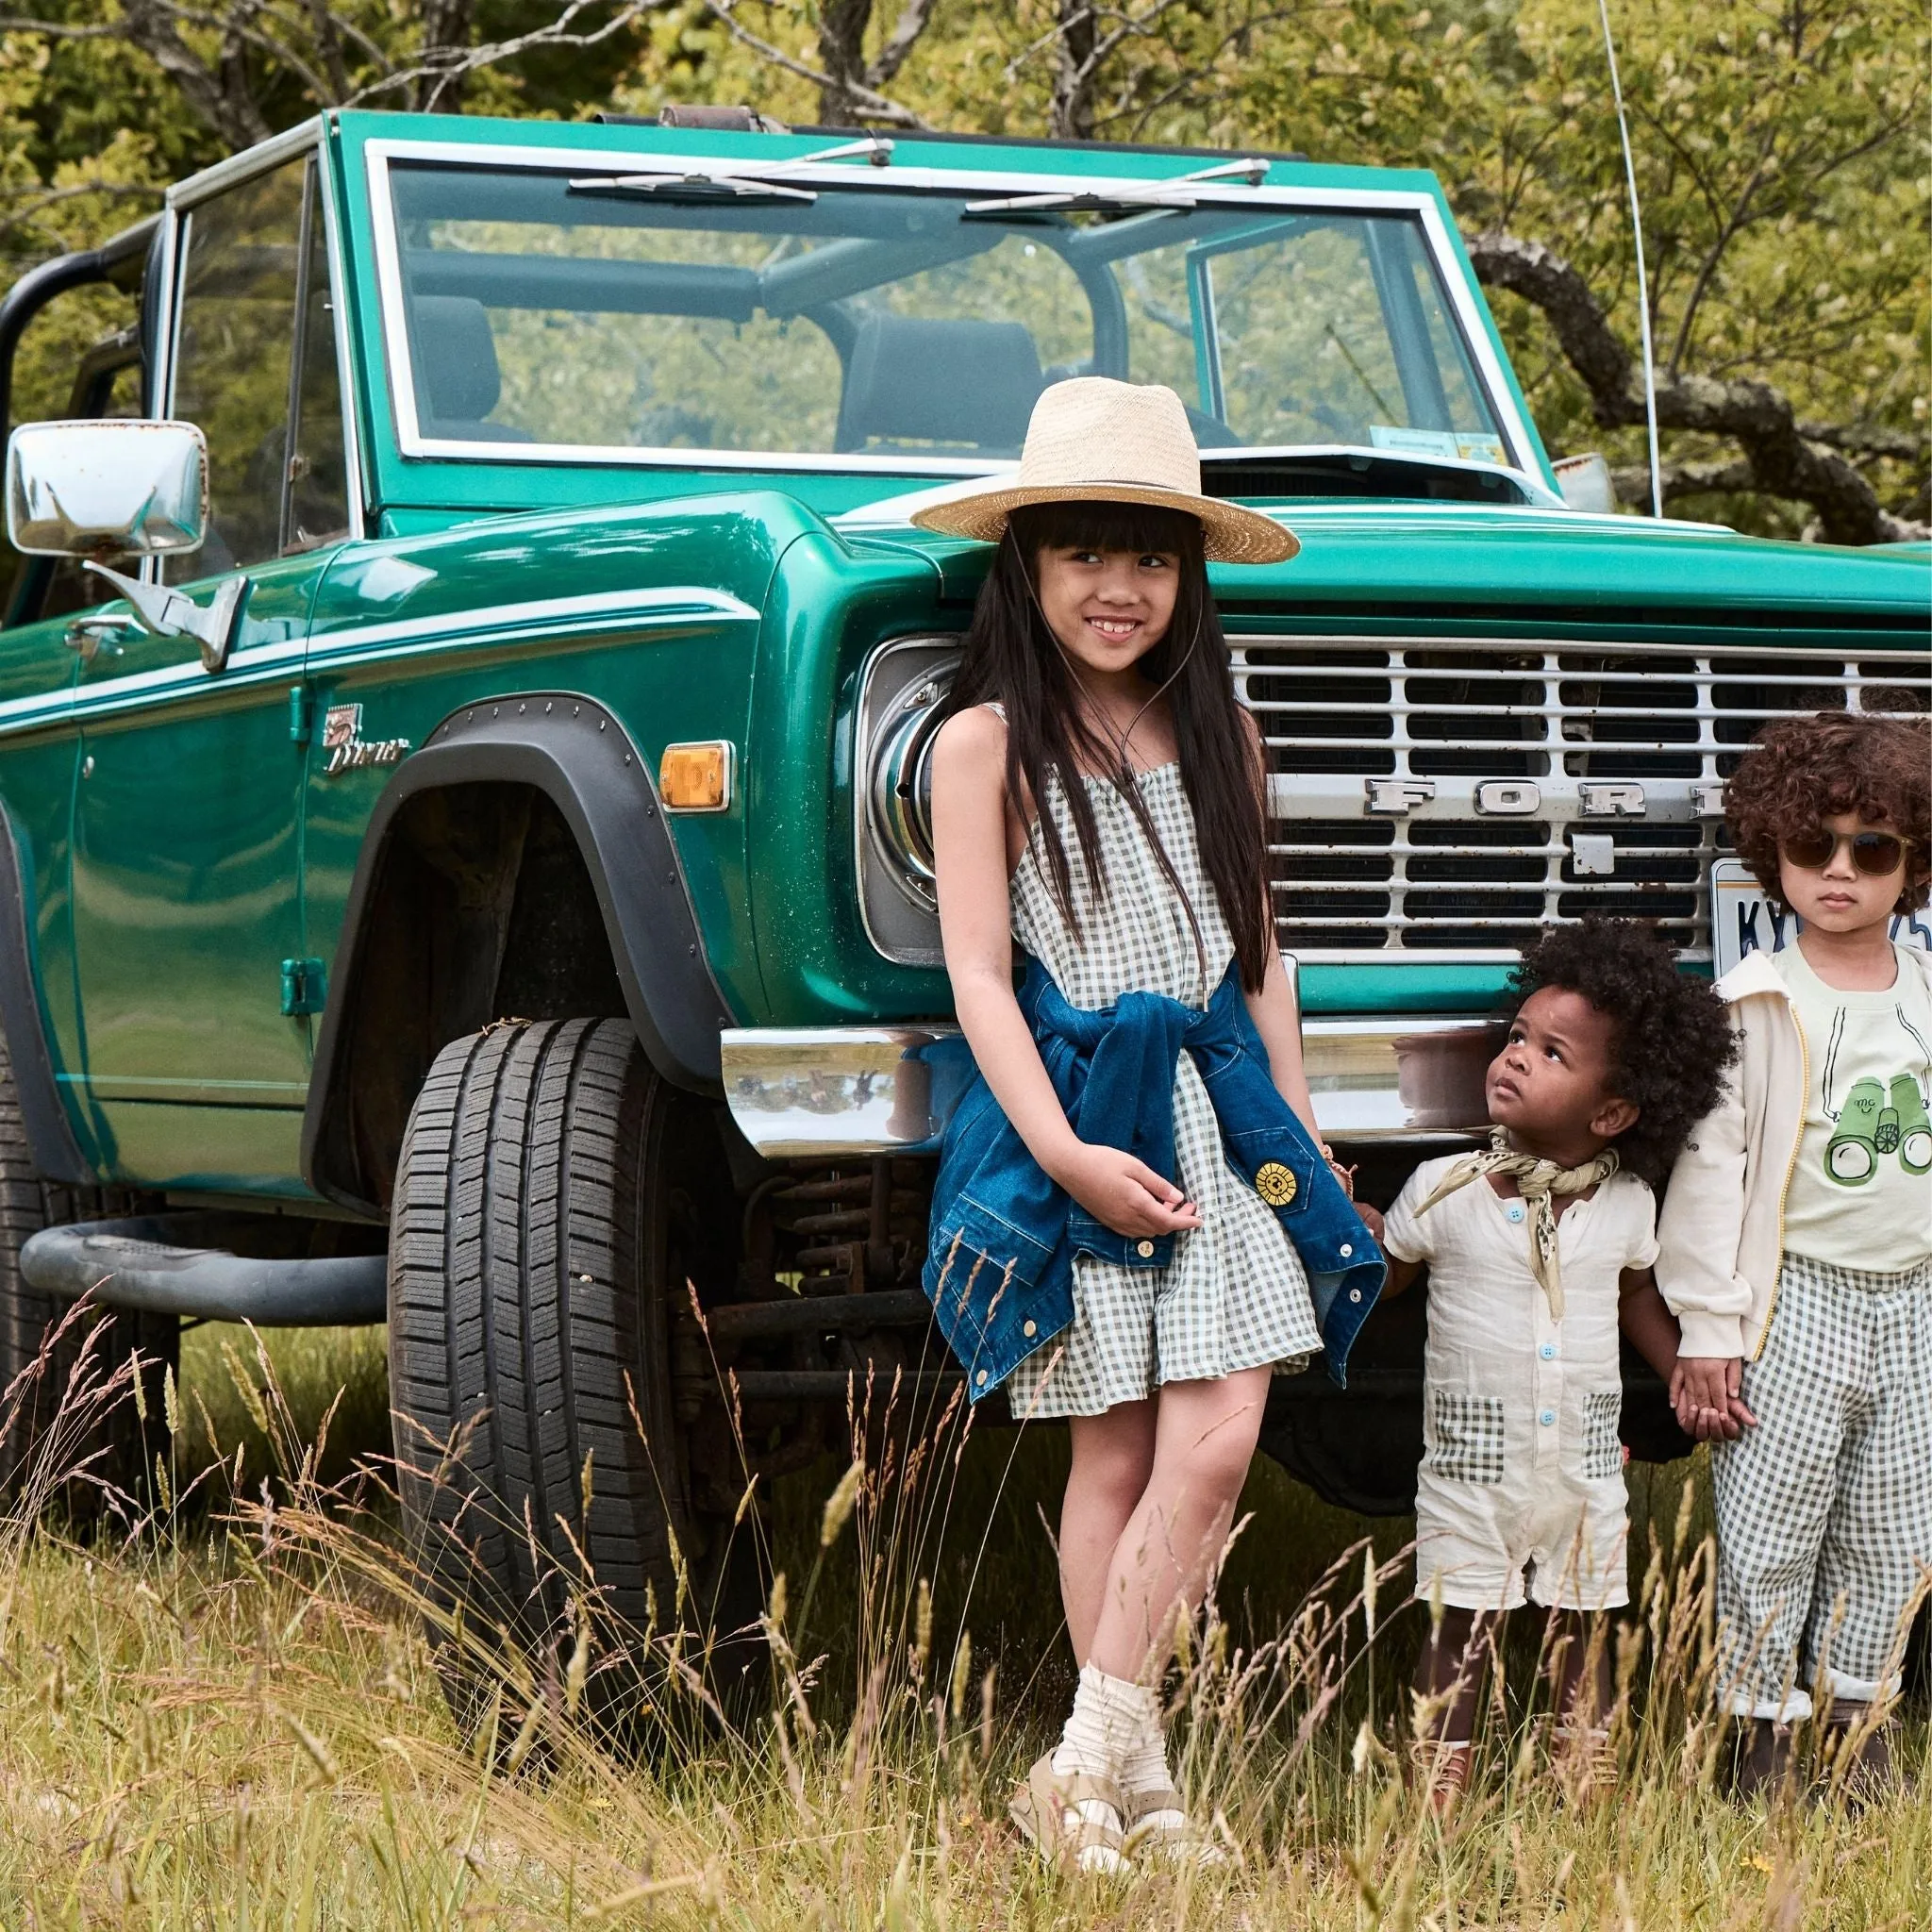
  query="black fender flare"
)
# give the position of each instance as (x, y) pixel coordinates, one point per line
(576, 753)
(50, 1134)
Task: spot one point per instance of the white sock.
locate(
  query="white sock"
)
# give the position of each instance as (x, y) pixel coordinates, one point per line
(1102, 1728)
(1144, 1765)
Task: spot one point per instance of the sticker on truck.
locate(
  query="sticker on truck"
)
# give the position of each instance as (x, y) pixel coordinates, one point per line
(1743, 920)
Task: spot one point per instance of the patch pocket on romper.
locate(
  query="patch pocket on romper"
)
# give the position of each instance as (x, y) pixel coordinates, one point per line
(1602, 1447)
(1469, 1439)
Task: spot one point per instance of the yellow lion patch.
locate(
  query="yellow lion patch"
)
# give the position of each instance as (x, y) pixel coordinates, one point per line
(1276, 1184)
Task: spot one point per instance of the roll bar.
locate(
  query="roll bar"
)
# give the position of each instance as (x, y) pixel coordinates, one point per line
(120, 262)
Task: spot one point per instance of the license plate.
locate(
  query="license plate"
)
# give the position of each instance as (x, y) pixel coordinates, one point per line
(1743, 920)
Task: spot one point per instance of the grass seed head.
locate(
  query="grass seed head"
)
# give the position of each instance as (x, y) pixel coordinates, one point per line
(840, 1503)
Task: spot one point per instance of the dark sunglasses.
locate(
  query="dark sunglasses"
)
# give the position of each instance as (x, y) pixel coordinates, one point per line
(1875, 854)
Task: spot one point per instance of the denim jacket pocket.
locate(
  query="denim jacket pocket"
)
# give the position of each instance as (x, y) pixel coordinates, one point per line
(983, 1276)
(978, 1256)
(1277, 1165)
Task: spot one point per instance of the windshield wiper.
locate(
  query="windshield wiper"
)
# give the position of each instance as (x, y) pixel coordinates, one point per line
(1130, 198)
(740, 181)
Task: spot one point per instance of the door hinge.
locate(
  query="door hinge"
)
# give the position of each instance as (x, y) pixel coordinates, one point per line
(301, 714)
(305, 986)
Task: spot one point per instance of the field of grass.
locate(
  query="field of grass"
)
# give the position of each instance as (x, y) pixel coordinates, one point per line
(230, 1716)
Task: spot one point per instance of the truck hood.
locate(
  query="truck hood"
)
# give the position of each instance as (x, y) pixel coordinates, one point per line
(1468, 559)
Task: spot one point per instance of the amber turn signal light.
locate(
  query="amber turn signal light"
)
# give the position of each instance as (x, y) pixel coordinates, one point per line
(696, 777)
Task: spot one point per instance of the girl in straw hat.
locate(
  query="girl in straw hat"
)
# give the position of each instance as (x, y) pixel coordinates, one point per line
(1134, 1224)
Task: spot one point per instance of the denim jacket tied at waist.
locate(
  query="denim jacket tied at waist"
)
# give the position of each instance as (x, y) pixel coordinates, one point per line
(999, 1268)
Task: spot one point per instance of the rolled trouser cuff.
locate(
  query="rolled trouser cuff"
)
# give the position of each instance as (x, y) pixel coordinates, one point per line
(1846, 1688)
(1793, 1708)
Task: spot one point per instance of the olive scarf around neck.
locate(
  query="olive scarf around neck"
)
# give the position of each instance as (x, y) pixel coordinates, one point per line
(1537, 1181)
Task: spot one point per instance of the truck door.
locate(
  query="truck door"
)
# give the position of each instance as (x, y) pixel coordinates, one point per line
(194, 1000)
(39, 758)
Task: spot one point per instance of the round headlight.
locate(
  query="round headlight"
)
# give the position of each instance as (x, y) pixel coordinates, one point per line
(900, 787)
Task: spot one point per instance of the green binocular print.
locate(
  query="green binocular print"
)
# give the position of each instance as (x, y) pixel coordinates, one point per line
(1875, 1123)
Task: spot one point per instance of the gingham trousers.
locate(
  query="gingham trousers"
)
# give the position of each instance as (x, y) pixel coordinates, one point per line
(1824, 1510)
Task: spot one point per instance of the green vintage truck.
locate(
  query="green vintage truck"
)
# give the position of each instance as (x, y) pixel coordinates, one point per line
(462, 710)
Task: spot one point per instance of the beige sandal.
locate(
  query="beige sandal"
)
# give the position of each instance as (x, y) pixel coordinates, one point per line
(1441, 1770)
(1585, 1764)
(1150, 1819)
(1046, 1809)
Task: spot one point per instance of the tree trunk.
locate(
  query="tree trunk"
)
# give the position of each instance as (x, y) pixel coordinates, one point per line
(1070, 115)
(447, 26)
(841, 57)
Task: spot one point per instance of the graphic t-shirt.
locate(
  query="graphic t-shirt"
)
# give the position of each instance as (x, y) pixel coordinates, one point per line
(1860, 1195)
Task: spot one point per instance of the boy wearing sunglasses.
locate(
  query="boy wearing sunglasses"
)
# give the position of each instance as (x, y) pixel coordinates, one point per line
(1795, 1250)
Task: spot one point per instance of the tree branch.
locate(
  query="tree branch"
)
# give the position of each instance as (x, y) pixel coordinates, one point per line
(875, 104)
(1780, 459)
(1870, 439)
(906, 29)
(454, 64)
(55, 29)
(1632, 481)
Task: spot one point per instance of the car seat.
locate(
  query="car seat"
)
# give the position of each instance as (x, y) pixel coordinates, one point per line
(911, 380)
(458, 381)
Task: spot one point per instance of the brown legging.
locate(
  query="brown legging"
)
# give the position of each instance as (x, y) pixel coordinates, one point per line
(1456, 1653)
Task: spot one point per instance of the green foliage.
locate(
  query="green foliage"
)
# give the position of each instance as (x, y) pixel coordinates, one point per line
(1781, 150)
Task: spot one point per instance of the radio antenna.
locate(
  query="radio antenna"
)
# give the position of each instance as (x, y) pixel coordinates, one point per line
(1657, 479)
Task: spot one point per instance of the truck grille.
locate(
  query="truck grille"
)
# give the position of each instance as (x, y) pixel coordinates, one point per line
(1452, 796)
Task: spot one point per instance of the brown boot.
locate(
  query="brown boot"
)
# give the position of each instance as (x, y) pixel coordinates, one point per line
(1441, 1767)
(1858, 1754)
(1761, 1763)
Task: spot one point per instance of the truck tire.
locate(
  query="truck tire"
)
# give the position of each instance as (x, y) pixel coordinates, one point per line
(109, 1436)
(532, 1256)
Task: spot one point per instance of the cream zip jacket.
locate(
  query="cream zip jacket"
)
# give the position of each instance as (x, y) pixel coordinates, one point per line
(1721, 1231)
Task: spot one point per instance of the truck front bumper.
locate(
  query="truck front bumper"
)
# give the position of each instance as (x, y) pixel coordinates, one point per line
(832, 1091)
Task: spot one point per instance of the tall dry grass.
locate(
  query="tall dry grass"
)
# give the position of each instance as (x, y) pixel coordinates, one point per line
(222, 1707)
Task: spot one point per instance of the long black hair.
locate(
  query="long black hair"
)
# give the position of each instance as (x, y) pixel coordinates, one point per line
(1013, 657)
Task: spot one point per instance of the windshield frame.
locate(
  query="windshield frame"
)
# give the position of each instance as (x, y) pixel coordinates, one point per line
(1499, 391)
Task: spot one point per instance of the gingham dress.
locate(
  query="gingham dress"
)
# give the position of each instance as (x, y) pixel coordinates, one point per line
(1235, 1295)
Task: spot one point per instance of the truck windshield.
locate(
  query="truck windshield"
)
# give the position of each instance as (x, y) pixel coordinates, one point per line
(907, 326)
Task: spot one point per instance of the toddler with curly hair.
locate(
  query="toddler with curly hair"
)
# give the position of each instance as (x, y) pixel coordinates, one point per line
(1539, 1253)
(1796, 1249)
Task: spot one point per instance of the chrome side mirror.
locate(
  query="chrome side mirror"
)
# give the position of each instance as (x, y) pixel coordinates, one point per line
(112, 487)
(1585, 482)
(119, 487)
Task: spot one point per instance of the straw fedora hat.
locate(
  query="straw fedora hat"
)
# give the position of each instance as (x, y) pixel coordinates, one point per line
(1093, 439)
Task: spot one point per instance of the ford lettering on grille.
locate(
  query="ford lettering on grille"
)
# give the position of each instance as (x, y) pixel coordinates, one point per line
(1449, 796)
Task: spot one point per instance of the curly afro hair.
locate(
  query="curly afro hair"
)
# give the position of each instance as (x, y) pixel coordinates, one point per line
(1806, 769)
(1670, 1036)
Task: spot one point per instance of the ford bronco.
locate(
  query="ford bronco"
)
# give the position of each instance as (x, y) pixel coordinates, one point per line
(463, 704)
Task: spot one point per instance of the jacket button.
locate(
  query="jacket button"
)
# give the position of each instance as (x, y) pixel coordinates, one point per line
(1347, 1249)
(1028, 1329)
(981, 1377)
(1144, 1249)
(1355, 1294)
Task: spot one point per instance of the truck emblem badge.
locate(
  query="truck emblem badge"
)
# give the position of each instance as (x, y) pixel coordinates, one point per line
(1613, 801)
(1393, 797)
(1275, 1183)
(1508, 798)
(348, 750)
